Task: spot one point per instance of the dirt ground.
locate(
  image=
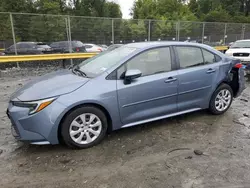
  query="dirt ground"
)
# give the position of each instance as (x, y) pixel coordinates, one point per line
(158, 155)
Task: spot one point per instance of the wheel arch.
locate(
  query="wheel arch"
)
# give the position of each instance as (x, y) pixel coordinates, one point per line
(228, 82)
(72, 108)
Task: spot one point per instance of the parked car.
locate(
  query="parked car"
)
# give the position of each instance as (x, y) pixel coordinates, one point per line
(64, 46)
(114, 46)
(240, 50)
(25, 48)
(104, 46)
(93, 48)
(131, 85)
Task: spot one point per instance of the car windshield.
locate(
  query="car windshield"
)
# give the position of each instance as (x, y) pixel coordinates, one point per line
(105, 60)
(241, 44)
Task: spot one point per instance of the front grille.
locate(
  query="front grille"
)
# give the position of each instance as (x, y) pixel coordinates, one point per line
(241, 54)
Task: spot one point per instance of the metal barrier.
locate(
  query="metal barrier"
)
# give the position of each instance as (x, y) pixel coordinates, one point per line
(44, 57)
(47, 57)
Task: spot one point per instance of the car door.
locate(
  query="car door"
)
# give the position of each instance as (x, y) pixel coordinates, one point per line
(198, 69)
(152, 95)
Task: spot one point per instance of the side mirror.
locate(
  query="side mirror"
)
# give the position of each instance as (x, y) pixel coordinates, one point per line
(131, 75)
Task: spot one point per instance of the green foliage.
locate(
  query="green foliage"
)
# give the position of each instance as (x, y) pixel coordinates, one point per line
(50, 28)
(158, 9)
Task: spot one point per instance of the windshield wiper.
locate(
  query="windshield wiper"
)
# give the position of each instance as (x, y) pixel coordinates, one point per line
(76, 69)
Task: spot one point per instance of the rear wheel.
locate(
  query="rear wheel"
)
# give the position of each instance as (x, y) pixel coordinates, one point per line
(221, 99)
(84, 127)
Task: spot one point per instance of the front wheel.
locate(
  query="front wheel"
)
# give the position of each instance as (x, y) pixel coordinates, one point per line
(84, 127)
(221, 99)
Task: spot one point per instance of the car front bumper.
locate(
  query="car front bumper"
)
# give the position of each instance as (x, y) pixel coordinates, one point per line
(39, 128)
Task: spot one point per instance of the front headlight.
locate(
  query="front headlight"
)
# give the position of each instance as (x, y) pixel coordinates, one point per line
(34, 106)
(229, 53)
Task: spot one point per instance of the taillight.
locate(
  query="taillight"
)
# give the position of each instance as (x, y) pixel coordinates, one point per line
(99, 49)
(238, 65)
(78, 49)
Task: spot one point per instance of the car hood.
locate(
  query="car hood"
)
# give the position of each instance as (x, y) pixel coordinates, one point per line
(238, 50)
(50, 85)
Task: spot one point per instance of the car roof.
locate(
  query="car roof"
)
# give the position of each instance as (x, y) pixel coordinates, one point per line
(27, 42)
(90, 44)
(246, 40)
(162, 43)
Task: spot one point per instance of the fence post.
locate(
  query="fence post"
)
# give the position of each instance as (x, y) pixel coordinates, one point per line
(13, 36)
(225, 33)
(178, 31)
(70, 44)
(66, 27)
(203, 32)
(113, 32)
(243, 31)
(149, 30)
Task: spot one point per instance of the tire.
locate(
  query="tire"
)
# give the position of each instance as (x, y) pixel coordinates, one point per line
(84, 135)
(220, 105)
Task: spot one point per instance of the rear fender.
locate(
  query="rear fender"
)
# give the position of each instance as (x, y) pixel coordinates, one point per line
(236, 78)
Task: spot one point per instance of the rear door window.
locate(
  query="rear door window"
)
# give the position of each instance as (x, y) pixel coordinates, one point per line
(189, 56)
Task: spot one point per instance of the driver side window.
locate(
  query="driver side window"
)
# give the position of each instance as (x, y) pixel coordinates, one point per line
(150, 62)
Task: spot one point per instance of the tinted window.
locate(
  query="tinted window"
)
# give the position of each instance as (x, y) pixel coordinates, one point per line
(62, 44)
(210, 57)
(77, 44)
(54, 44)
(27, 45)
(88, 46)
(12, 47)
(189, 56)
(150, 62)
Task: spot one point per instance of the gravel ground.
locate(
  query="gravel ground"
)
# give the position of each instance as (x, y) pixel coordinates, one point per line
(159, 154)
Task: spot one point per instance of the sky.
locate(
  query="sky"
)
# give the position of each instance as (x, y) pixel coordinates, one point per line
(125, 5)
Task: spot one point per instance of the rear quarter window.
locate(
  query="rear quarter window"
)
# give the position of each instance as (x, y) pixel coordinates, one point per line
(209, 57)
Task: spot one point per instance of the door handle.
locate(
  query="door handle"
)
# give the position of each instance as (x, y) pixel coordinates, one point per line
(170, 79)
(209, 71)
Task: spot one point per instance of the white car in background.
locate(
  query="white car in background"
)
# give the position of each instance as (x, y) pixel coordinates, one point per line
(93, 48)
(240, 50)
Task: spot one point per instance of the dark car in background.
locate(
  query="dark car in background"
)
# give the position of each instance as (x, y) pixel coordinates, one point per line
(64, 46)
(28, 48)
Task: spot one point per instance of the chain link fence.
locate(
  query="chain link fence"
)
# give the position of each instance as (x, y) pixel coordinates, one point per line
(20, 27)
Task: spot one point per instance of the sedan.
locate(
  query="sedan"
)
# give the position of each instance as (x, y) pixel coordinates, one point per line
(130, 85)
(28, 48)
(94, 48)
(64, 47)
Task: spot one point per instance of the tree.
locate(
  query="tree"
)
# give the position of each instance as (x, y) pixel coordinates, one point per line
(113, 10)
(194, 7)
(156, 9)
